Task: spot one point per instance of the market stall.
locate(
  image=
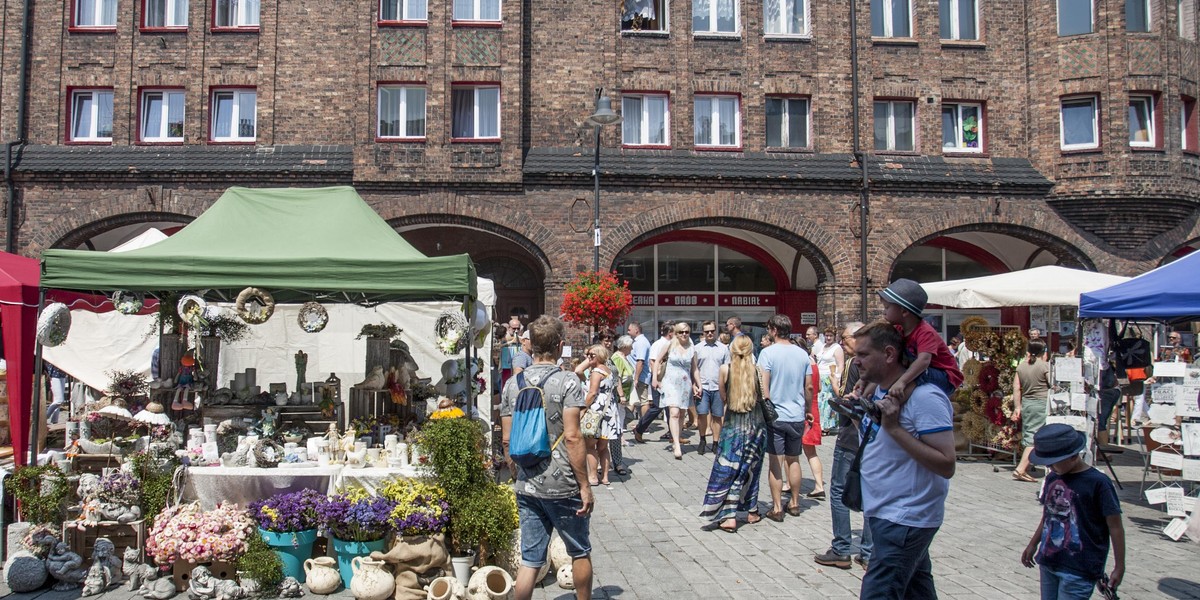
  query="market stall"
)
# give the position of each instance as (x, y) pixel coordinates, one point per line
(18, 316)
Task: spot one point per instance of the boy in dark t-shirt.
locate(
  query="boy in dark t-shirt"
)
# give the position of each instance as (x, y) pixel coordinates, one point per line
(1081, 516)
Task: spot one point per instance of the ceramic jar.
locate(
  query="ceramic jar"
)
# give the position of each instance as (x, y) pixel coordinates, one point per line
(322, 576)
(446, 588)
(370, 581)
(490, 583)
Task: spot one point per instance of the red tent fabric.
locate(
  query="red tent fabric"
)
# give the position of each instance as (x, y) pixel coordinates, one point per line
(19, 278)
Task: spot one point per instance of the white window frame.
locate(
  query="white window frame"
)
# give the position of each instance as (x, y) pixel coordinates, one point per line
(242, 14)
(644, 132)
(713, 8)
(402, 117)
(93, 133)
(787, 9)
(1188, 135)
(891, 125)
(714, 113)
(1148, 103)
(1091, 18)
(162, 135)
(477, 10)
(413, 11)
(953, 14)
(785, 122)
(959, 143)
(886, 9)
(1094, 101)
(103, 13)
(660, 8)
(475, 111)
(1146, 6)
(234, 116)
(170, 10)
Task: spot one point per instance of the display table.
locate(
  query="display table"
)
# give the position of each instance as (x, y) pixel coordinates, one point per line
(243, 485)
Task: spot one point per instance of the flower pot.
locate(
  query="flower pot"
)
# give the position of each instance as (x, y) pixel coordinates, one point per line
(293, 549)
(462, 567)
(346, 551)
(445, 588)
(89, 447)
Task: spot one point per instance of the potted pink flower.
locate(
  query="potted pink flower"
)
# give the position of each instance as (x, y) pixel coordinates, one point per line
(184, 536)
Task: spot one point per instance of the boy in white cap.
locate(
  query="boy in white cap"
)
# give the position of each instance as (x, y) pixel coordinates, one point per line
(1081, 516)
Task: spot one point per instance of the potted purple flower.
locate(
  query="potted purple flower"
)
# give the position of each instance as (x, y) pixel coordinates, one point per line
(288, 523)
(358, 524)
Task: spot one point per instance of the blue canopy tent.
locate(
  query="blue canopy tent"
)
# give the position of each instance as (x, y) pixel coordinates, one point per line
(1169, 293)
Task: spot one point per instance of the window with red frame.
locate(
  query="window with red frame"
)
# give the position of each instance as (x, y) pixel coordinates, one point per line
(95, 13)
(401, 112)
(718, 121)
(646, 119)
(1188, 125)
(895, 125)
(476, 10)
(162, 116)
(236, 13)
(787, 122)
(234, 116)
(475, 112)
(962, 127)
(403, 10)
(91, 116)
(1143, 129)
(165, 14)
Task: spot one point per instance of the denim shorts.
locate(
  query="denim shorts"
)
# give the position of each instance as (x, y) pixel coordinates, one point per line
(710, 404)
(787, 438)
(539, 516)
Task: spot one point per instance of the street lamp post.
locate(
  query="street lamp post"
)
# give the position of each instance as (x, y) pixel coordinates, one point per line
(604, 115)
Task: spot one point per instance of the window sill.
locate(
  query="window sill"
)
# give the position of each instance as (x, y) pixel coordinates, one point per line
(896, 153)
(232, 142)
(636, 33)
(1075, 151)
(786, 150)
(235, 29)
(98, 30)
(787, 37)
(400, 140)
(475, 140)
(1192, 152)
(964, 154)
(158, 143)
(965, 44)
(890, 41)
(476, 24)
(1146, 149)
(737, 148)
(645, 146)
(717, 36)
(88, 143)
(421, 24)
(183, 29)
(1076, 35)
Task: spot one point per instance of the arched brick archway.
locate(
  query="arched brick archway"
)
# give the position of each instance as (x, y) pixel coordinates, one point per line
(83, 233)
(449, 220)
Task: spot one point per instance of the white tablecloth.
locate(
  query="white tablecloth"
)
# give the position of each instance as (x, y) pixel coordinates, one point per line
(243, 485)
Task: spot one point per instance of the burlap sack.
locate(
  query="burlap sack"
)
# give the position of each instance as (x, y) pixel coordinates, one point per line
(414, 557)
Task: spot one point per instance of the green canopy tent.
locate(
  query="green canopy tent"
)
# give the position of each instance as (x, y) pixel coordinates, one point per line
(300, 244)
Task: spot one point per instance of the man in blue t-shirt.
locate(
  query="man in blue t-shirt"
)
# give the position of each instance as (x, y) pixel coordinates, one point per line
(786, 382)
(640, 357)
(906, 468)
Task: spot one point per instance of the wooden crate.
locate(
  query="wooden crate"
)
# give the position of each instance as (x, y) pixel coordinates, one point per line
(95, 463)
(81, 538)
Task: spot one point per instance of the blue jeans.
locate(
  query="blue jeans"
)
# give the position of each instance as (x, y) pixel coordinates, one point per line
(538, 516)
(710, 403)
(900, 566)
(842, 537)
(1065, 585)
(651, 414)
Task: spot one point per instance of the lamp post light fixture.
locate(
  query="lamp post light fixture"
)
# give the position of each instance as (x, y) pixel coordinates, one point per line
(604, 115)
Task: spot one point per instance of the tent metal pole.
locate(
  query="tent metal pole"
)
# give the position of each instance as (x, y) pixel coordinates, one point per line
(35, 405)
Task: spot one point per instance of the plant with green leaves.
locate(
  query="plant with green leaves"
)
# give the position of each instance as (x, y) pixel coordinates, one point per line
(261, 563)
(41, 492)
(157, 482)
(487, 518)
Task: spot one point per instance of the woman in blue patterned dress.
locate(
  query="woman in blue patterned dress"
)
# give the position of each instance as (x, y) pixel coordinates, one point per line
(733, 484)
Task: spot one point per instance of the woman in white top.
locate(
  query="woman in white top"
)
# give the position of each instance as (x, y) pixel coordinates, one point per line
(831, 360)
(680, 381)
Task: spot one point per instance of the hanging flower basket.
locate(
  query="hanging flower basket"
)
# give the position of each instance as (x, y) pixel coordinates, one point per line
(127, 303)
(255, 305)
(451, 329)
(191, 309)
(596, 299)
(53, 325)
(312, 317)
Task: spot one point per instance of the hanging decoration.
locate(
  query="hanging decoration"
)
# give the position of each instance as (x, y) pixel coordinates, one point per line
(53, 325)
(191, 310)
(127, 303)
(451, 330)
(596, 299)
(313, 317)
(255, 305)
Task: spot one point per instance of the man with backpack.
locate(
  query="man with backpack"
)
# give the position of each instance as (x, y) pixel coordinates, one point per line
(540, 410)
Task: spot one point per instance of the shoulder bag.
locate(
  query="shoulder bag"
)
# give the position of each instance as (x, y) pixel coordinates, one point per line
(852, 489)
(770, 415)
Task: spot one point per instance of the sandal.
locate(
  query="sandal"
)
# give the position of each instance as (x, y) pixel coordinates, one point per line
(776, 516)
(593, 482)
(752, 518)
(793, 510)
(622, 471)
(1019, 476)
(729, 529)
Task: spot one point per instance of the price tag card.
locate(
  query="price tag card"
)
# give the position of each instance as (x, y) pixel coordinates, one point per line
(1156, 496)
(1079, 401)
(1176, 528)
(1170, 369)
(210, 452)
(1191, 469)
(566, 352)
(1164, 393)
(1166, 460)
(1068, 369)
(1176, 506)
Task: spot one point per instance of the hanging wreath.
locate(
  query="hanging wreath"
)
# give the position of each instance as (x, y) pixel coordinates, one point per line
(255, 305)
(191, 310)
(451, 331)
(975, 427)
(973, 328)
(989, 378)
(970, 371)
(993, 409)
(264, 459)
(127, 303)
(978, 398)
(53, 325)
(312, 317)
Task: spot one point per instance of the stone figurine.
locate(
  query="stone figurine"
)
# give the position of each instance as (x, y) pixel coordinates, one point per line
(290, 588)
(24, 571)
(137, 572)
(106, 568)
(66, 567)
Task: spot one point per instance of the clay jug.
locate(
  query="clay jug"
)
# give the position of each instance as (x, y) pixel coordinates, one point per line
(370, 580)
(321, 575)
(445, 588)
(490, 583)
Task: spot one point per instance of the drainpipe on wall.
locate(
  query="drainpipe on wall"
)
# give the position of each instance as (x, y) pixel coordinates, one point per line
(864, 201)
(10, 185)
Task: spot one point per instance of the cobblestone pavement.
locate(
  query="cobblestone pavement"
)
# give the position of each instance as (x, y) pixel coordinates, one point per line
(648, 543)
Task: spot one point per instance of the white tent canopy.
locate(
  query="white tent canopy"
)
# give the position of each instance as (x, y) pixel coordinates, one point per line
(1039, 286)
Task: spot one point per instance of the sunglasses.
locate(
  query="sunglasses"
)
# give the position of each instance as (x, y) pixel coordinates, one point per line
(710, 331)
(684, 332)
(590, 355)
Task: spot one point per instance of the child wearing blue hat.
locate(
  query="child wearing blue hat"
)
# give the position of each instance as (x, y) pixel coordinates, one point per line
(1081, 516)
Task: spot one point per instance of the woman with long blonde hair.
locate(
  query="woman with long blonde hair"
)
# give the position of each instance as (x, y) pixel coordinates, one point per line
(601, 398)
(679, 383)
(737, 467)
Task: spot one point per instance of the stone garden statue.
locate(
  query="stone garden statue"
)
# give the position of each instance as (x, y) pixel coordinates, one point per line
(66, 567)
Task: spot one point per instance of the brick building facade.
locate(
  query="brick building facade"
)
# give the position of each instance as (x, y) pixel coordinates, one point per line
(976, 128)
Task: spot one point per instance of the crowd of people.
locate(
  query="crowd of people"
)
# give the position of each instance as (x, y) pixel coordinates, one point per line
(881, 388)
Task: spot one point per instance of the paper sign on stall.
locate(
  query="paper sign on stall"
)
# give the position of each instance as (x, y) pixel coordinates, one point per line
(1176, 507)
(1170, 369)
(1164, 393)
(1156, 496)
(1078, 401)
(1080, 423)
(1191, 469)
(1187, 406)
(1068, 369)
(1166, 460)
(1077, 387)
(1176, 528)
(566, 352)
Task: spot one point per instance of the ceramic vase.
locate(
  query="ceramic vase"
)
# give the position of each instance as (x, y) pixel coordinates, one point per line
(322, 576)
(445, 588)
(346, 551)
(490, 583)
(371, 581)
(558, 553)
(462, 567)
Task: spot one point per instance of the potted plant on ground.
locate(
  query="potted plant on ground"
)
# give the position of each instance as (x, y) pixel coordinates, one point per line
(419, 520)
(357, 523)
(184, 536)
(288, 523)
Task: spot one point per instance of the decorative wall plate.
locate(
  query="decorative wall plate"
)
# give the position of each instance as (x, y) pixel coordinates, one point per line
(1165, 436)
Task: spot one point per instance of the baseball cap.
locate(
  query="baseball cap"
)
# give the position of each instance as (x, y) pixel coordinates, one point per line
(906, 293)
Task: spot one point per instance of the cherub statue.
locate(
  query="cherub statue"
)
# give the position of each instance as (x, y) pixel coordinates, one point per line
(65, 566)
(111, 511)
(269, 422)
